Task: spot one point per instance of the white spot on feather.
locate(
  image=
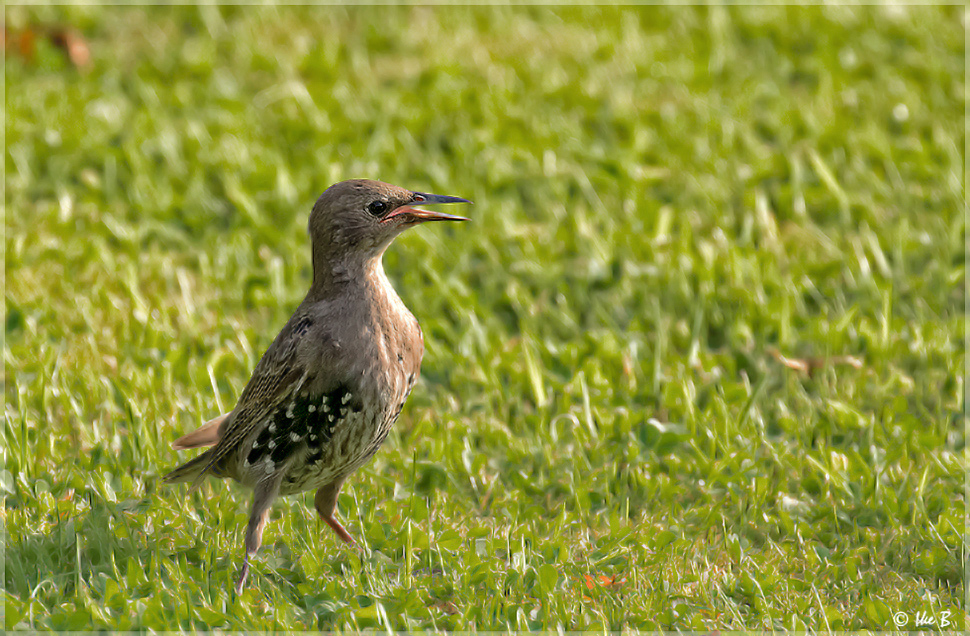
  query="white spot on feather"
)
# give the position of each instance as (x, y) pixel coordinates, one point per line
(312, 408)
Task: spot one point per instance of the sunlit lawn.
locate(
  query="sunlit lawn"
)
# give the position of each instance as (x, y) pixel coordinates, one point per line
(697, 364)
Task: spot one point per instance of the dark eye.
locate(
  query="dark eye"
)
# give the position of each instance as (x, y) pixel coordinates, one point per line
(377, 208)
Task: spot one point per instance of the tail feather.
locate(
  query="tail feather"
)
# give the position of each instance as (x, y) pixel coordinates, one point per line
(205, 435)
(195, 469)
(192, 470)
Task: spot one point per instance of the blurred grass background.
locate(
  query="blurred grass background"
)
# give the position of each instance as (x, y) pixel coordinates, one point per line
(675, 208)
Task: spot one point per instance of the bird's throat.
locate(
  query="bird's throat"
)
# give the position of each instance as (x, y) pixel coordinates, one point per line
(351, 274)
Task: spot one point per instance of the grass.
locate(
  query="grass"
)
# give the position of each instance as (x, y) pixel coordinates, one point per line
(669, 204)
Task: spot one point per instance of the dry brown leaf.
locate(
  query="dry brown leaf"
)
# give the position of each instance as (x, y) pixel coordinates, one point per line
(73, 45)
(611, 582)
(445, 606)
(21, 43)
(810, 365)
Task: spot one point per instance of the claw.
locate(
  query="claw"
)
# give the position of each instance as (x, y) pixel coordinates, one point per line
(242, 576)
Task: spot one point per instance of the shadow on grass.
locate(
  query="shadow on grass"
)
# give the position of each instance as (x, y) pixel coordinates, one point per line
(111, 541)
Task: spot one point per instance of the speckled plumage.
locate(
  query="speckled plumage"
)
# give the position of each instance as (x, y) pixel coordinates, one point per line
(324, 395)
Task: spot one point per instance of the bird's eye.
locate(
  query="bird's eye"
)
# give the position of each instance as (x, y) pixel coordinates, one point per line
(377, 208)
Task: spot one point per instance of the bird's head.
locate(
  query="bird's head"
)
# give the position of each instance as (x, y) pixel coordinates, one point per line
(355, 221)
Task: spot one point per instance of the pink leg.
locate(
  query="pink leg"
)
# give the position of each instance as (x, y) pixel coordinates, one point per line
(263, 499)
(325, 502)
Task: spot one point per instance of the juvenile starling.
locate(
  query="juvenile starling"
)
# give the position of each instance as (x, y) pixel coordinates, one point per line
(325, 394)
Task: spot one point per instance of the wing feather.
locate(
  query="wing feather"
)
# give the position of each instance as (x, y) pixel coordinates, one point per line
(277, 377)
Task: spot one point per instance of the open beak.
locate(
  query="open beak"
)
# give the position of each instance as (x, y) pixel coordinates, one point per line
(414, 214)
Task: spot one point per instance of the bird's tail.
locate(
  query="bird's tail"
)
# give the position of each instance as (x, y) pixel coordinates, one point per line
(206, 435)
(192, 470)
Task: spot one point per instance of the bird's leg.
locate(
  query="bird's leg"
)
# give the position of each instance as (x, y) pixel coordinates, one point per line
(325, 502)
(266, 492)
(243, 575)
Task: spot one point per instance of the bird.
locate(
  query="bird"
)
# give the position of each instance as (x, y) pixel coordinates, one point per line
(324, 395)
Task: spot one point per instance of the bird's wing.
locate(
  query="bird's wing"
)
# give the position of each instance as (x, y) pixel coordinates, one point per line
(278, 376)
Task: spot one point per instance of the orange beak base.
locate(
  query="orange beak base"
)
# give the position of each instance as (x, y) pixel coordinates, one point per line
(414, 214)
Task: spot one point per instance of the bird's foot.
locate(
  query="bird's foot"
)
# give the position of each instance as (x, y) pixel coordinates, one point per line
(241, 581)
(340, 531)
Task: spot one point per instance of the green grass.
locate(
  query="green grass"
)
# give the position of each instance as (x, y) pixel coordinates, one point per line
(604, 436)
